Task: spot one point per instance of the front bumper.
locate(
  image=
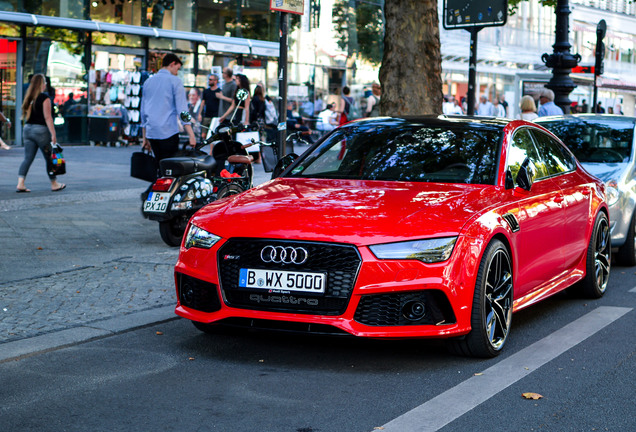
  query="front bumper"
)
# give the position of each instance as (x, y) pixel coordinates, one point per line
(385, 298)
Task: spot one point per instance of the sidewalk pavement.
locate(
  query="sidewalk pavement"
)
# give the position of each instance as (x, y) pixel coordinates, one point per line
(82, 263)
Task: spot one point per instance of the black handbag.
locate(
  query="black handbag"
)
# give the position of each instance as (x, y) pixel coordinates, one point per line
(143, 166)
(55, 163)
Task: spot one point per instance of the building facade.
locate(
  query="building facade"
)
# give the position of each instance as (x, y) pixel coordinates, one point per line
(94, 49)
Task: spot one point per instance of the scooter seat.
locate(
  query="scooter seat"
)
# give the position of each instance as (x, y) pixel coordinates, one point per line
(240, 159)
(179, 166)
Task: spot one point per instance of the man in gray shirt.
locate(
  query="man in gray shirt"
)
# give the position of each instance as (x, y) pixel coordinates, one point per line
(228, 90)
(163, 99)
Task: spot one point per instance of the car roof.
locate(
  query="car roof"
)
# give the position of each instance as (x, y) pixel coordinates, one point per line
(442, 120)
(593, 117)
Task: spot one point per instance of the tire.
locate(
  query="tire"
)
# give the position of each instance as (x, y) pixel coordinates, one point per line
(626, 255)
(599, 256)
(172, 232)
(491, 314)
(228, 190)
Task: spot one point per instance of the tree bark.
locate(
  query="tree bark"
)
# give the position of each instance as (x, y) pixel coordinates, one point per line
(411, 71)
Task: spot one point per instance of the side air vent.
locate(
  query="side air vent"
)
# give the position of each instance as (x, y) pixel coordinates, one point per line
(512, 222)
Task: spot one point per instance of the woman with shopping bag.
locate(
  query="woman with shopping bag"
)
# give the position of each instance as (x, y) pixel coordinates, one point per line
(38, 132)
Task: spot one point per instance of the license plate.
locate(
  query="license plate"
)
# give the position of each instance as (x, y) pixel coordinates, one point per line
(157, 202)
(282, 280)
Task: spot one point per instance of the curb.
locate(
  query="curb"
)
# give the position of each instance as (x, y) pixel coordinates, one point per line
(86, 333)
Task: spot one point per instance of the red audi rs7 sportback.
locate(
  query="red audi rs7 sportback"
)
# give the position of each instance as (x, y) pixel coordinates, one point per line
(413, 227)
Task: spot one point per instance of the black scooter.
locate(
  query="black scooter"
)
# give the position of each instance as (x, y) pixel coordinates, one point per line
(189, 182)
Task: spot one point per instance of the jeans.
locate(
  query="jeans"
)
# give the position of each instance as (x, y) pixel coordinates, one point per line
(35, 136)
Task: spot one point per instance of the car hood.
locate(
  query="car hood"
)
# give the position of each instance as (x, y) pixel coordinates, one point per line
(605, 171)
(347, 211)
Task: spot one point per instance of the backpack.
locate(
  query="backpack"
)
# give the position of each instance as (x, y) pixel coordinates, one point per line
(271, 116)
(354, 112)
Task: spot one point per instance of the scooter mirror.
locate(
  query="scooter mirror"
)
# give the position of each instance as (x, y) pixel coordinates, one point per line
(186, 117)
(241, 94)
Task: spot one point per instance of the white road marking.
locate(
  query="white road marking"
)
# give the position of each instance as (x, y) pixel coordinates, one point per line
(455, 402)
(633, 290)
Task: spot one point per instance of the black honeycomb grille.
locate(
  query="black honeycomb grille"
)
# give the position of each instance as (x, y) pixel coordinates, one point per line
(393, 309)
(197, 294)
(340, 263)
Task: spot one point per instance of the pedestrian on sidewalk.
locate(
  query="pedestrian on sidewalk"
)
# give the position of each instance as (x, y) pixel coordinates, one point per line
(210, 104)
(38, 132)
(548, 107)
(164, 99)
(227, 90)
(6, 120)
(528, 108)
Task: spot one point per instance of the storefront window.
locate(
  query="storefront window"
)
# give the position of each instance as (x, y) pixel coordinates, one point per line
(234, 19)
(67, 73)
(117, 12)
(8, 30)
(8, 50)
(58, 8)
(117, 39)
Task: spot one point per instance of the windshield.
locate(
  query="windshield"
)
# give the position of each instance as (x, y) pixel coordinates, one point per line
(595, 140)
(399, 150)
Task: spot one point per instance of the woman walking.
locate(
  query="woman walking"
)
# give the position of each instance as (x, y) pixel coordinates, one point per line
(39, 131)
(243, 113)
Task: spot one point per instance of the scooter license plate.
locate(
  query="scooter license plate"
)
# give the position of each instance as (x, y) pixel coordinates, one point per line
(157, 202)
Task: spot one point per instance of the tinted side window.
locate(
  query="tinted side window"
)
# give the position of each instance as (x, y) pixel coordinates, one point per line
(522, 147)
(557, 159)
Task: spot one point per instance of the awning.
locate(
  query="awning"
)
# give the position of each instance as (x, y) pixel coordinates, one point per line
(226, 44)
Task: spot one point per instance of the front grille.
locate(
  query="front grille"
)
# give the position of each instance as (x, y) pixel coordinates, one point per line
(197, 294)
(340, 262)
(401, 309)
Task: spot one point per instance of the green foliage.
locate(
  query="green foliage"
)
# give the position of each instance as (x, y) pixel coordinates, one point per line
(369, 27)
(513, 5)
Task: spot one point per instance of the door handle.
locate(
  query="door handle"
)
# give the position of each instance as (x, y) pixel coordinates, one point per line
(558, 199)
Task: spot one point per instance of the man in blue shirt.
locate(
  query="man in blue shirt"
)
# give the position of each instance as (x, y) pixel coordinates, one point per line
(548, 107)
(163, 99)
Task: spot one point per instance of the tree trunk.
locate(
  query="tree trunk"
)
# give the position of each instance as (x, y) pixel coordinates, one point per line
(411, 71)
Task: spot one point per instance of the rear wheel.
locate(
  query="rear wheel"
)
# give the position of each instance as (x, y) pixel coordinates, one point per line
(627, 253)
(491, 315)
(599, 254)
(172, 231)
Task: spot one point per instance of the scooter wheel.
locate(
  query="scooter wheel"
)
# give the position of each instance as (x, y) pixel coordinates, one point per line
(229, 190)
(171, 232)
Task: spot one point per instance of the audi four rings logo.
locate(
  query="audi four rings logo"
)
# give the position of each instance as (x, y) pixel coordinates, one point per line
(284, 255)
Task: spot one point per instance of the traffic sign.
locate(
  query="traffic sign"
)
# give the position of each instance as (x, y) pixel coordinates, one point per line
(474, 13)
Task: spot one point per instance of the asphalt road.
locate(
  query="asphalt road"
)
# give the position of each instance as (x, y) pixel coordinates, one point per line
(83, 262)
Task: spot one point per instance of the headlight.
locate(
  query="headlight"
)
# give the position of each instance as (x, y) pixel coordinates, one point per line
(198, 237)
(612, 194)
(428, 251)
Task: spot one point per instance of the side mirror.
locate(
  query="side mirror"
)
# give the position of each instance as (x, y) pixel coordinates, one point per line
(242, 94)
(510, 182)
(525, 175)
(185, 117)
(283, 163)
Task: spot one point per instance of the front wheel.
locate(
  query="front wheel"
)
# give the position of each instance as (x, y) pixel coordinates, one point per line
(599, 255)
(172, 231)
(491, 314)
(627, 253)
(228, 190)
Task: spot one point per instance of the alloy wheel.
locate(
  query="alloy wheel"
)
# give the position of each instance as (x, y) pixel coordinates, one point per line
(498, 299)
(602, 255)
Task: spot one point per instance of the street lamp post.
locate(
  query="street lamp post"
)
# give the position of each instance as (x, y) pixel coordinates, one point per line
(561, 60)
